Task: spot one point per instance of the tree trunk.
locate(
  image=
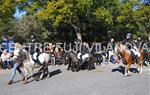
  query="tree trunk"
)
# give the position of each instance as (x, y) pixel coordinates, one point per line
(77, 30)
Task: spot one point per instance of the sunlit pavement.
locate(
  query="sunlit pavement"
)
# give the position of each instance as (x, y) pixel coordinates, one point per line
(105, 80)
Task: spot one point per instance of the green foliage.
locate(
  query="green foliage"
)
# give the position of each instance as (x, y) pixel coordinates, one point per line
(94, 19)
(7, 9)
(104, 15)
(135, 18)
(57, 12)
(30, 26)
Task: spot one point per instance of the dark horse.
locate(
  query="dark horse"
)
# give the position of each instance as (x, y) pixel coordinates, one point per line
(75, 65)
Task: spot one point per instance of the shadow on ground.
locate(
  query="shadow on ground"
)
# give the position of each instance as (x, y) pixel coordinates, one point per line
(121, 69)
(37, 75)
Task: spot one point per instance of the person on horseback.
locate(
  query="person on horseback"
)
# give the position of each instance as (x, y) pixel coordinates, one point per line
(130, 45)
(112, 42)
(36, 55)
(32, 47)
(84, 49)
(128, 41)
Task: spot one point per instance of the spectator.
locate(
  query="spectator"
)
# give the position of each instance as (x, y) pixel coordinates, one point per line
(4, 43)
(11, 45)
(56, 53)
(112, 42)
(5, 60)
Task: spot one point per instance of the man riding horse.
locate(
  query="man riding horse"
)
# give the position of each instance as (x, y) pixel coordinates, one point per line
(131, 46)
(36, 55)
(84, 50)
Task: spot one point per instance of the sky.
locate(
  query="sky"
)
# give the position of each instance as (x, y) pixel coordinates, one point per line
(19, 14)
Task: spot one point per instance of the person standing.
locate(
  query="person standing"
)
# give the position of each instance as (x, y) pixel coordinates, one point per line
(11, 45)
(16, 67)
(5, 56)
(4, 43)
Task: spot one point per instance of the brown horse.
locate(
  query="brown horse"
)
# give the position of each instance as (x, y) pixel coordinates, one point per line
(128, 59)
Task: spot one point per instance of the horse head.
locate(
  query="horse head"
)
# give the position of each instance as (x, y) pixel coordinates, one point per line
(119, 47)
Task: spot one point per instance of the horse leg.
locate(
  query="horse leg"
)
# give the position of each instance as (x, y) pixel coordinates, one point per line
(41, 76)
(138, 67)
(26, 75)
(77, 66)
(141, 67)
(128, 71)
(89, 65)
(69, 63)
(48, 74)
(31, 73)
(43, 71)
(39, 71)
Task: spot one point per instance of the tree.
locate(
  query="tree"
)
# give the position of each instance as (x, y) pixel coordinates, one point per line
(29, 26)
(133, 18)
(7, 9)
(94, 20)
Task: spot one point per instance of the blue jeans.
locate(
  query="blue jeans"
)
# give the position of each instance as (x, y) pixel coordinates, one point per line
(6, 64)
(16, 67)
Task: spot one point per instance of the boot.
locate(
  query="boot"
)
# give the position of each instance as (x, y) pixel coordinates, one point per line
(136, 58)
(10, 82)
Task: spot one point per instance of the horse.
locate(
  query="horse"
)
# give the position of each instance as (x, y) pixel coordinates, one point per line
(74, 62)
(65, 58)
(25, 59)
(44, 59)
(128, 59)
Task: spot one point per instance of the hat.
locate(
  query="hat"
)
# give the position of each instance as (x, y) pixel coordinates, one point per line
(129, 35)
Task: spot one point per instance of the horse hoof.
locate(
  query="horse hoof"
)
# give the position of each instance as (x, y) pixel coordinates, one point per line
(140, 73)
(125, 75)
(23, 79)
(37, 79)
(129, 75)
(48, 76)
(24, 82)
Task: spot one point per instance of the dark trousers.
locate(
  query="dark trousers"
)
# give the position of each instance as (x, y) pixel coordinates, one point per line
(6, 64)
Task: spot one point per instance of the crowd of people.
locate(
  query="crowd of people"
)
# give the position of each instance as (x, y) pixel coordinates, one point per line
(106, 56)
(58, 57)
(6, 52)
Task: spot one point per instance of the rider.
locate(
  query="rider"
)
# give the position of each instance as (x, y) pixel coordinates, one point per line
(131, 46)
(36, 55)
(84, 50)
(32, 47)
(128, 41)
(112, 42)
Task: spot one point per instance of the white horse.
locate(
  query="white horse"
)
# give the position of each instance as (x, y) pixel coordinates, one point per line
(44, 59)
(29, 64)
